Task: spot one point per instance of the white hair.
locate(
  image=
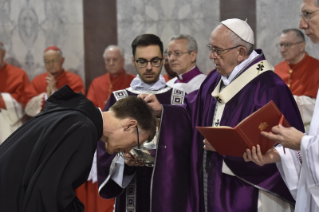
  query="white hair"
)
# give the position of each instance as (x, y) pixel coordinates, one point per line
(121, 50)
(191, 42)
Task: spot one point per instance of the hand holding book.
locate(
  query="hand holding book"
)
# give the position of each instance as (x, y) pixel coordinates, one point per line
(234, 141)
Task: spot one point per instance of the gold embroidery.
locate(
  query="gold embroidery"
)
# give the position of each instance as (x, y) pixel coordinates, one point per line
(263, 126)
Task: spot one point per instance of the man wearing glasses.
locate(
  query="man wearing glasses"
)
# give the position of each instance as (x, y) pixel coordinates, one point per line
(242, 82)
(299, 164)
(299, 71)
(47, 158)
(153, 173)
(182, 55)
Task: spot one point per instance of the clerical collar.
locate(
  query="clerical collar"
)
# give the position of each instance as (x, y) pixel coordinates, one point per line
(139, 85)
(186, 77)
(238, 68)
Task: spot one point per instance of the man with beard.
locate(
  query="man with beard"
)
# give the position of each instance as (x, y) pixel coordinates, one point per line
(143, 180)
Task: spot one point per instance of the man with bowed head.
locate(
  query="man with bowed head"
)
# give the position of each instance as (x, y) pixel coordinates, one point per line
(45, 160)
(55, 77)
(242, 82)
(298, 165)
(140, 185)
(99, 92)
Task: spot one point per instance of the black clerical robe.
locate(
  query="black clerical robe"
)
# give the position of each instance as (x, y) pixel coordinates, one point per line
(46, 159)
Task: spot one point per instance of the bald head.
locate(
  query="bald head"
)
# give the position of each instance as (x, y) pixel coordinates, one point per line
(53, 61)
(114, 60)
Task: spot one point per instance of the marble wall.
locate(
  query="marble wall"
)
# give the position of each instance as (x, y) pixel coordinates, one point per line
(272, 17)
(27, 27)
(166, 18)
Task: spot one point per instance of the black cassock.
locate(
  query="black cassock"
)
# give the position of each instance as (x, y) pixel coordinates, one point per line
(47, 158)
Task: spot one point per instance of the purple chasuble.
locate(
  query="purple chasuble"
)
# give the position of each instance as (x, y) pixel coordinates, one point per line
(229, 193)
(188, 76)
(163, 187)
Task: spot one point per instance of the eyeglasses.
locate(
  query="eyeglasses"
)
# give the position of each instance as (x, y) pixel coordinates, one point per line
(155, 62)
(138, 138)
(177, 54)
(138, 146)
(218, 52)
(286, 45)
(306, 15)
(47, 62)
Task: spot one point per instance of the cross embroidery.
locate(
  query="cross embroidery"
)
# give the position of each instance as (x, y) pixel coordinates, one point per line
(218, 99)
(260, 67)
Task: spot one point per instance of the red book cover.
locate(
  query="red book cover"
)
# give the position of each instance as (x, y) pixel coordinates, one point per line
(234, 141)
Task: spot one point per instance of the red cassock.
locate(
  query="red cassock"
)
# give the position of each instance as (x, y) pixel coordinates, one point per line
(13, 80)
(36, 90)
(302, 78)
(102, 87)
(99, 92)
(167, 77)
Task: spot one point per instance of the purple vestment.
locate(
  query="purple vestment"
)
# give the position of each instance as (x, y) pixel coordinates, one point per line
(164, 187)
(189, 75)
(229, 193)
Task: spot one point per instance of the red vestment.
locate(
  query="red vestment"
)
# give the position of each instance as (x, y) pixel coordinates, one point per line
(99, 92)
(38, 87)
(102, 87)
(167, 77)
(14, 81)
(304, 79)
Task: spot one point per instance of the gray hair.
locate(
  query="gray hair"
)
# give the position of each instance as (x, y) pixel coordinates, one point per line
(191, 42)
(236, 40)
(298, 33)
(317, 3)
(114, 46)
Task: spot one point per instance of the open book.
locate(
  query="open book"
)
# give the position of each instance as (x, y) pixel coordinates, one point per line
(234, 141)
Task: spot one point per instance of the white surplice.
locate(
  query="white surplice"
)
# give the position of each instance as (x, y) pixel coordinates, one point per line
(11, 118)
(302, 179)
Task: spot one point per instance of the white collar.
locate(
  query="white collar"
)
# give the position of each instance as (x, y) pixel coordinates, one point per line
(239, 67)
(139, 85)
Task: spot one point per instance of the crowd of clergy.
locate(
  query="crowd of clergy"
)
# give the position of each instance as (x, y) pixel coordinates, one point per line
(184, 172)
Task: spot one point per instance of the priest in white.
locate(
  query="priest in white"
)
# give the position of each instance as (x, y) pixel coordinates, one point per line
(299, 164)
(182, 55)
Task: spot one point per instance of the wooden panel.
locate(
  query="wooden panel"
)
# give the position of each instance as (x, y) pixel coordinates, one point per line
(100, 30)
(241, 9)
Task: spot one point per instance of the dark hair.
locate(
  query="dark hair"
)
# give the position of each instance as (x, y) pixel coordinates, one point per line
(136, 108)
(146, 40)
(298, 33)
